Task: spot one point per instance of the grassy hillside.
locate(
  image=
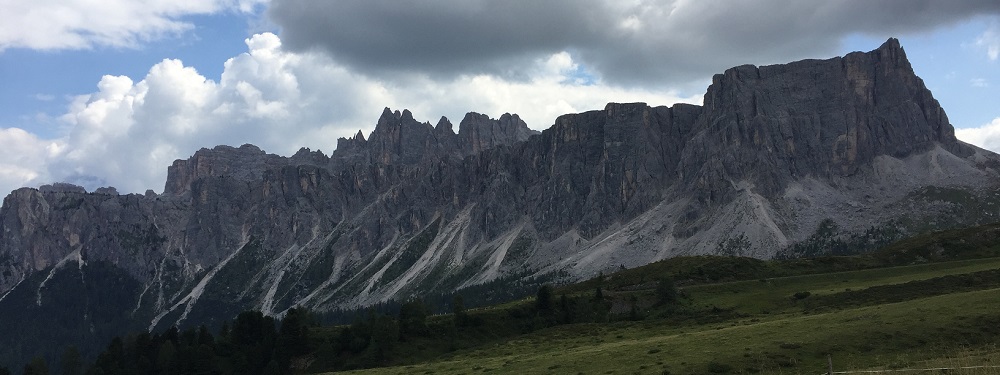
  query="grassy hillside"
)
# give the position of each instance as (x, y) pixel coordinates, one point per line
(894, 335)
(928, 301)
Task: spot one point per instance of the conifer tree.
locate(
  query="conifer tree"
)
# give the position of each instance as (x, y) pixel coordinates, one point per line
(412, 319)
(666, 292)
(458, 308)
(543, 300)
(71, 363)
(37, 366)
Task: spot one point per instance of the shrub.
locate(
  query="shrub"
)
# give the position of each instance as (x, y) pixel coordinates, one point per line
(666, 292)
(719, 368)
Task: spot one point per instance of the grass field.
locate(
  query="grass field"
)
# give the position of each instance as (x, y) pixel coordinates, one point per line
(917, 316)
(981, 361)
(890, 336)
(776, 294)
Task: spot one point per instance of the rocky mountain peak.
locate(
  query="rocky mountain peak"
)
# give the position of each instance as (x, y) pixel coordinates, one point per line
(444, 126)
(62, 187)
(819, 118)
(305, 156)
(388, 116)
(245, 163)
(399, 139)
(478, 132)
(351, 146)
(891, 54)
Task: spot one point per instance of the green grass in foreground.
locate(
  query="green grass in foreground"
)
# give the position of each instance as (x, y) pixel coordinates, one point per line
(964, 361)
(891, 335)
(776, 295)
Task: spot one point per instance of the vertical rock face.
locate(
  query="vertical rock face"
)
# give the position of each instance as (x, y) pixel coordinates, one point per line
(399, 139)
(775, 152)
(597, 168)
(827, 118)
(479, 132)
(246, 163)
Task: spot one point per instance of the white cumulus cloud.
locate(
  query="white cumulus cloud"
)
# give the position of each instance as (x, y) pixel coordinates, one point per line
(81, 24)
(990, 40)
(986, 136)
(23, 158)
(127, 132)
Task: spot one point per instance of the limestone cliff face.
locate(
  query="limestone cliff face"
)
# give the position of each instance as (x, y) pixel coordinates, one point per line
(774, 124)
(246, 163)
(412, 208)
(479, 132)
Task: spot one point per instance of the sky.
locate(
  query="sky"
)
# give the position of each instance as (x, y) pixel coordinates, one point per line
(110, 93)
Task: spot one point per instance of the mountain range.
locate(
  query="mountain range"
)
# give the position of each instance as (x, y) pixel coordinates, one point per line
(812, 157)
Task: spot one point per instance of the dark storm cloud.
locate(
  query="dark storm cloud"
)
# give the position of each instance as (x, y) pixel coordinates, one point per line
(437, 36)
(651, 42)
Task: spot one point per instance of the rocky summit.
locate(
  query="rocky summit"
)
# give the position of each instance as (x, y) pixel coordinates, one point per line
(812, 157)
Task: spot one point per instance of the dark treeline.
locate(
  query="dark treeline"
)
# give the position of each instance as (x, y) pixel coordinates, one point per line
(386, 334)
(252, 344)
(91, 321)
